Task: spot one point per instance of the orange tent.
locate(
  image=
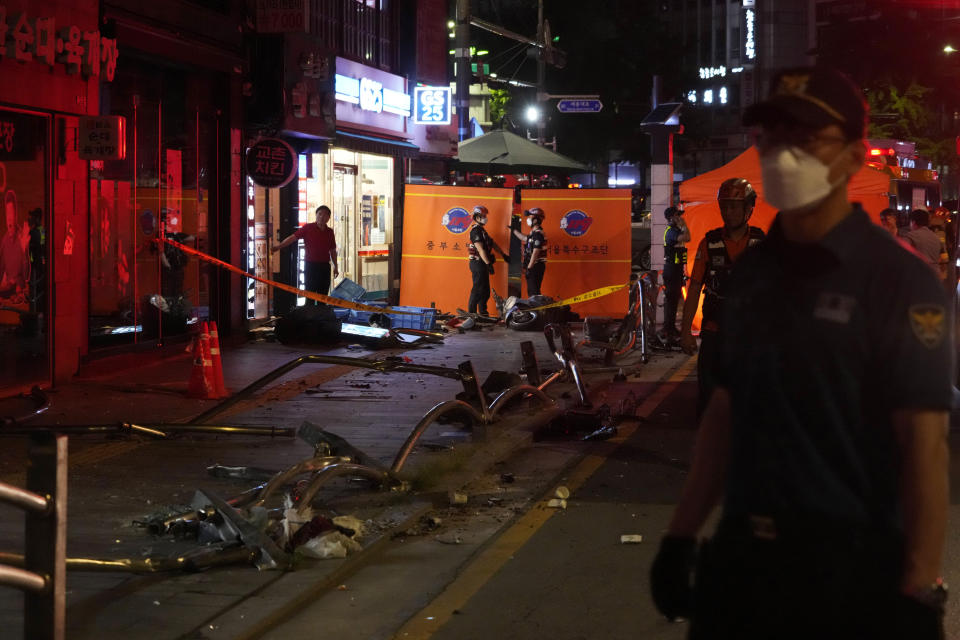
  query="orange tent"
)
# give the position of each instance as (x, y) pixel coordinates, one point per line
(869, 187)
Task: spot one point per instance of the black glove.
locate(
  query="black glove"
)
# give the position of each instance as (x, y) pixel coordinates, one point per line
(490, 268)
(917, 620)
(670, 576)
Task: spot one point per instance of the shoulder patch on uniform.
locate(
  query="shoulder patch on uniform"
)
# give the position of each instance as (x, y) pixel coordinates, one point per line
(929, 324)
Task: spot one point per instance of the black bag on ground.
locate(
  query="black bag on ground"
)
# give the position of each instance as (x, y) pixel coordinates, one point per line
(309, 324)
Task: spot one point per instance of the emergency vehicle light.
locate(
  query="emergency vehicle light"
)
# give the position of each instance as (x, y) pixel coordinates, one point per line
(882, 152)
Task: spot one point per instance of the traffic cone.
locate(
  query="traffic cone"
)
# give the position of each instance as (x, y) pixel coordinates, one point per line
(217, 362)
(201, 383)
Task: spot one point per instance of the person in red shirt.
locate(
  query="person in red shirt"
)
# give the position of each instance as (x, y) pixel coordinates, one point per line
(718, 251)
(321, 251)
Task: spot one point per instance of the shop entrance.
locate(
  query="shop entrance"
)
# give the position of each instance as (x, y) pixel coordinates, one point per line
(345, 218)
(24, 255)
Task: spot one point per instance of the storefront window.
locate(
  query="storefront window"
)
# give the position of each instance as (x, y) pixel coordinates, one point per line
(24, 257)
(139, 290)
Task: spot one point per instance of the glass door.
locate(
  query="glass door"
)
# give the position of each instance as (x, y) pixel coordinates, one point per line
(345, 224)
(25, 267)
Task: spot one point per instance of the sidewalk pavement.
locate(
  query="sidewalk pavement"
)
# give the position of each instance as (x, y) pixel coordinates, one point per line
(114, 481)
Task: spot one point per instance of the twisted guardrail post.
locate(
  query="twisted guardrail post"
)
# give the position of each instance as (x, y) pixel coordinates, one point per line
(44, 576)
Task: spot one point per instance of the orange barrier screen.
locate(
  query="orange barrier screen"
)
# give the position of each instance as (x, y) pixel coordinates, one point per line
(434, 266)
(702, 213)
(588, 237)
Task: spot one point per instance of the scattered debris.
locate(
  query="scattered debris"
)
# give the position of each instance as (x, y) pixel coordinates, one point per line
(329, 545)
(562, 492)
(557, 503)
(458, 498)
(631, 538)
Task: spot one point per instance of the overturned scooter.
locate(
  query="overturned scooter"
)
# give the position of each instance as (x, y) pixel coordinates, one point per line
(526, 314)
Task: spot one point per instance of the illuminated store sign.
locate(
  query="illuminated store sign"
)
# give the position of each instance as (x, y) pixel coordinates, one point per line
(712, 72)
(431, 105)
(371, 95)
(750, 38)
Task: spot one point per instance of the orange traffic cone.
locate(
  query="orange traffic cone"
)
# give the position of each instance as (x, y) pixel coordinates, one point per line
(217, 363)
(201, 383)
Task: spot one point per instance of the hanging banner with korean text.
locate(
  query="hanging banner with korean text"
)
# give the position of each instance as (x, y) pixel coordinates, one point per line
(588, 245)
(271, 163)
(436, 232)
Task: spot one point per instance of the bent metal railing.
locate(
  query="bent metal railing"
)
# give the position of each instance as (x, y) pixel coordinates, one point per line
(42, 575)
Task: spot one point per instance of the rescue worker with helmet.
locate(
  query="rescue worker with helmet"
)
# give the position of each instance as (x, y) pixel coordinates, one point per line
(480, 250)
(534, 250)
(674, 261)
(715, 257)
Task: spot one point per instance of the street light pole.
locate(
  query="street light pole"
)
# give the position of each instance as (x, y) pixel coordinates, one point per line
(462, 56)
(541, 72)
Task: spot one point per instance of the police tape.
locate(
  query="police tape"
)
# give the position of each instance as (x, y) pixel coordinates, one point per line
(583, 297)
(319, 297)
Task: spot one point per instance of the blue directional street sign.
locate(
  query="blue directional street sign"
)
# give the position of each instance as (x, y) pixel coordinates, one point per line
(579, 106)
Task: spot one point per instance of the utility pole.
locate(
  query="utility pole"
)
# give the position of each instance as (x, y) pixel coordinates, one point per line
(462, 56)
(541, 73)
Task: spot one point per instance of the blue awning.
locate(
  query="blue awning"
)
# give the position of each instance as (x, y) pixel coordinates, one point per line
(373, 144)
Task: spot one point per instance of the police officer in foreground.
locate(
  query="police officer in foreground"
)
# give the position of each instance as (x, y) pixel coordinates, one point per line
(719, 249)
(674, 261)
(480, 250)
(825, 439)
(534, 250)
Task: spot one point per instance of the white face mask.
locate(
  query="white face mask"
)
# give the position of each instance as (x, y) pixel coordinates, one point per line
(530, 222)
(794, 180)
(481, 221)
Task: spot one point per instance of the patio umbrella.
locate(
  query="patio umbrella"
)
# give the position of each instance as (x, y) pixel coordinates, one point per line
(504, 152)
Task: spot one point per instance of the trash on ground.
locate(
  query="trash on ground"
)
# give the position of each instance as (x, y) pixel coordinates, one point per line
(329, 545)
(631, 538)
(557, 503)
(562, 492)
(458, 497)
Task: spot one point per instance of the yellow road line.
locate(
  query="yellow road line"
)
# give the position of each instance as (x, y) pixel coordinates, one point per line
(431, 618)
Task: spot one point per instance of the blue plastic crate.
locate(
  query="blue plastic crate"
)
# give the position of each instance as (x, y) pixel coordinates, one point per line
(363, 317)
(348, 290)
(423, 320)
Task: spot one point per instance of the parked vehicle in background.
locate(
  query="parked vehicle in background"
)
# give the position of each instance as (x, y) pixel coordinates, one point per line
(914, 184)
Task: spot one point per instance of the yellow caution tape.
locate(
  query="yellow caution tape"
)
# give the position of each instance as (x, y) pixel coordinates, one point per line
(319, 297)
(583, 297)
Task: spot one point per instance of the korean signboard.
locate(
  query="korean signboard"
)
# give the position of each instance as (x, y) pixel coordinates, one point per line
(30, 38)
(371, 98)
(271, 163)
(431, 105)
(102, 138)
(282, 16)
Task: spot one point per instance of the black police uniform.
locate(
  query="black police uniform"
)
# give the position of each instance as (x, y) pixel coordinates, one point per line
(718, 266)
(535, 240)
(820, 344)
(674, 260)
(480, 272)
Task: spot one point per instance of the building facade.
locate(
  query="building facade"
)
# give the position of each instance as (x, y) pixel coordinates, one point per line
(345, 102)
(732, 49)
(115, 117)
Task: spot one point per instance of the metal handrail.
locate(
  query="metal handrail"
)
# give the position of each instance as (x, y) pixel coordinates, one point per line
(43, 574)
(431, 416)
(384, 365)
(23, 499)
